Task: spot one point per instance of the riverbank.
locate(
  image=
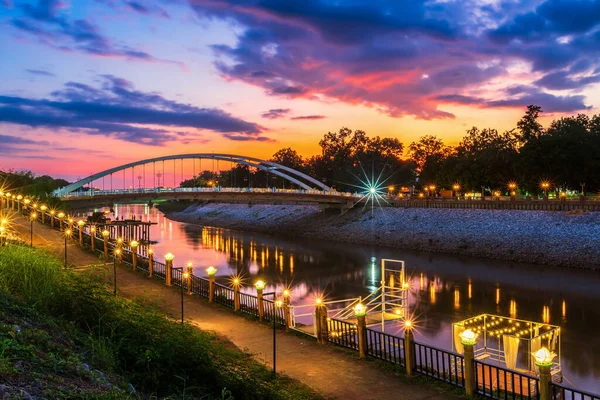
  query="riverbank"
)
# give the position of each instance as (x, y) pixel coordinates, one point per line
(564, 239)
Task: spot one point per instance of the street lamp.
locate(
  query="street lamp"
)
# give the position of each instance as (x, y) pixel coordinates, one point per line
(60, 216)
(80, 225)
(184, 275)
(456, 188)
(43, 209)
(116, 254)
(32, 218)
(2, 230)
(276, 304)
(545, 185)
(67, 235)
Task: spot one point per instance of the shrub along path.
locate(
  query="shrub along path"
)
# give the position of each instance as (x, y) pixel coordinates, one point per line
(329, 370)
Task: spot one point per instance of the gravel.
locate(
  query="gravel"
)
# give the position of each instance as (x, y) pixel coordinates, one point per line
(568, 239)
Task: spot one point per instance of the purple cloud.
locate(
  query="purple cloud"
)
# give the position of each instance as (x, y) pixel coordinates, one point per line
(275, 113)
(308, 117)
(117, 110)
(402, 58)
(40, 72)
(46, 22)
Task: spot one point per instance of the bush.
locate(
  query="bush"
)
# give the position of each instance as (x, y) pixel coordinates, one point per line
(158, 356)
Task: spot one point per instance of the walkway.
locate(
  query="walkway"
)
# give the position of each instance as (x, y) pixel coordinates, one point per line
(331, 371)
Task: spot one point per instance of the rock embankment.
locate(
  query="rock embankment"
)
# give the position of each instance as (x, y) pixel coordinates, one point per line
(555, 238)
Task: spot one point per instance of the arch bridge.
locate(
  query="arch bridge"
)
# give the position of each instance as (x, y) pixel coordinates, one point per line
(119, 184)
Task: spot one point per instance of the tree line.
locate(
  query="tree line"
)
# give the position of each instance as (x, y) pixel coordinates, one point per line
(566, 154)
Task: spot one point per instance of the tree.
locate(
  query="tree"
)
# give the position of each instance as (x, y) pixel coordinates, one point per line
(289, 158)
(426, 147)
(528, 126)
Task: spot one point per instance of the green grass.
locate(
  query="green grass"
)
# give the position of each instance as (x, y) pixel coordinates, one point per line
(132, 341)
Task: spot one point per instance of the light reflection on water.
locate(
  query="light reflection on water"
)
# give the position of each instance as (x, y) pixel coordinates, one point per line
(443, 289)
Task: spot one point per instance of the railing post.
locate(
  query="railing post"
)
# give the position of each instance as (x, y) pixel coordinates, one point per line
(469, 352)
(409, 349)
(361, 325)
(261, 304)
(211, 271)
(150, 263)
(92, 235)
(134, 245)
(168, 268)
(286, 309)
(190, 270)
(321, 322)
(105, 234)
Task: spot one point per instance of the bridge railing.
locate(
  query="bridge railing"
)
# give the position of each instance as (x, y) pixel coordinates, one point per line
(385, 346)
(218, 189)
(560, 392)
(440, 364)
(500, 383)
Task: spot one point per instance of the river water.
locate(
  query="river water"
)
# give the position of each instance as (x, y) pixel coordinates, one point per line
(443, 288)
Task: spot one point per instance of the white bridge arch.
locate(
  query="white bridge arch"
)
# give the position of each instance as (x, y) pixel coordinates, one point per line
(286, 173)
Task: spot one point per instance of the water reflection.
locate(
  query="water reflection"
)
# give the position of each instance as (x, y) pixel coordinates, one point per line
(443, 289)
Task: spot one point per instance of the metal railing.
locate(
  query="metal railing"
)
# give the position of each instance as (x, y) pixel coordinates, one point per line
(500, 383)
(560, 392)
(249, 304)
(160, 271)
(272, 312)
(342, 333)
(440, 364)
(200, 286)
(385, 347)
(224, 295)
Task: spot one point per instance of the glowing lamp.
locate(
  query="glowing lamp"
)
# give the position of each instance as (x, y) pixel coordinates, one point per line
(456, 187)
(468, 337)
(360, 310)
(2, 229)
(19, 197)
(43, 207)
(80, 223)
(543, 357)
(134, 243)
(150, 251)
(93, 229)
(27, 201)
(372, 190)
(34, 204)
(563, 194)
(286, 293)
(211, 271)
(278, 303)
(169, 257)
(259, 285)
(120, 241)
(60, 214)
(186, 275)
(421, 195)
(34, 215)
(408, 324)
(4, 221)
(236, 281)
(70, 220)
(52, 212)
(318, 301)
(117, 251)
(105, 232)
(68, 232)
(405, 285)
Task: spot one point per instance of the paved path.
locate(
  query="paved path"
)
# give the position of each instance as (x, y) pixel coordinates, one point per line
(329, 370)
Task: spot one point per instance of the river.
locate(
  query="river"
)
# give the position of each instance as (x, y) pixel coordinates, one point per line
(443, 288)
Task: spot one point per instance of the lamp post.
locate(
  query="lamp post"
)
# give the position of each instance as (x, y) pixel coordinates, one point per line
(168, 268)
(543, 360)
(409, 347)
(545, 185)
(134, 245)
(260, 286)
(455, 189)
(26, 201)
(184, 275)
(276, 303)
(105, 235)
(67, 235)
(19, 198)
(43, 208)
(468, 339)
(60, 216)
(211, 272)
(117, 254)
(32, 218)
(52, 212)
(93, 237)
(80, 225)
(360, 312)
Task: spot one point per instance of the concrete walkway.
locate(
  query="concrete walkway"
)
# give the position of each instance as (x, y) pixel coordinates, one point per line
(331, 371)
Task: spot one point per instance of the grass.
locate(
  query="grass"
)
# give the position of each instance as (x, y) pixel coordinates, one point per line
(129, 341)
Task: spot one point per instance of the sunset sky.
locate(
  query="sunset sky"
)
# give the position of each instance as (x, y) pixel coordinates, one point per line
(105, 82)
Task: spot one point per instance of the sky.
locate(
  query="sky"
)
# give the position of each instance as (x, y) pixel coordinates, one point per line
(86, 85)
